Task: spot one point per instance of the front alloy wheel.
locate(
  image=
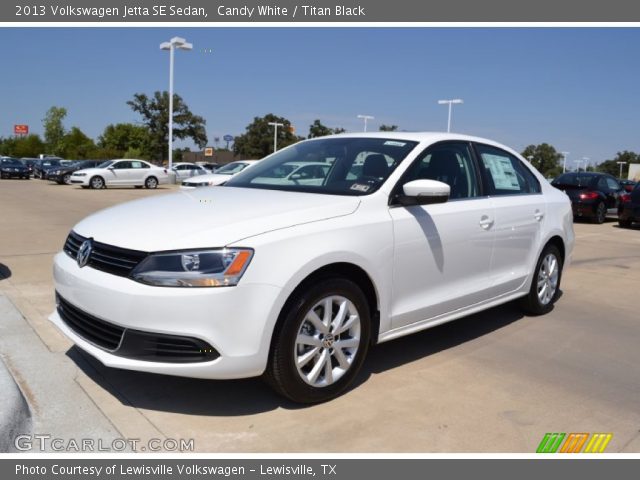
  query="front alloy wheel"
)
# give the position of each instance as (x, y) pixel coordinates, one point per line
(321, 343)
(97, 183)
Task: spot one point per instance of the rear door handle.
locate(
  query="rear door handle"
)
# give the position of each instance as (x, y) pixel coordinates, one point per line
(538, 215)
(485, 222)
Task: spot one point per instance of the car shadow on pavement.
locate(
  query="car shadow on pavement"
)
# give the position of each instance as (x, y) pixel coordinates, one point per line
(250, 396)
(5, 272)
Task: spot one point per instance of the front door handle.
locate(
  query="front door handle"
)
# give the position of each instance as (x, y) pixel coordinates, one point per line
(485, 222)
(538, 215)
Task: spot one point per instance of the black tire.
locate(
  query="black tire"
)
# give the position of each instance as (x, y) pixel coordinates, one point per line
(532, 304)
(151, 182)
(66, 179)
(601, 213)
(96, 182)
(624, 223)
(282, 371)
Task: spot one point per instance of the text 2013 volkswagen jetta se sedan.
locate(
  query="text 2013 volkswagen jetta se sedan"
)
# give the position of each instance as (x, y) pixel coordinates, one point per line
(295, 281)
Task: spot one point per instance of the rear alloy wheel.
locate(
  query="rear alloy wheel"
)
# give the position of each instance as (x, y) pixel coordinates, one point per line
(151, 182)
(322, 342)
(545, 285)
(96, 183)
(601, 213)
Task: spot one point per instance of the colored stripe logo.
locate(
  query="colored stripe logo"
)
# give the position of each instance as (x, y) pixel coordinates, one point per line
(574, 442)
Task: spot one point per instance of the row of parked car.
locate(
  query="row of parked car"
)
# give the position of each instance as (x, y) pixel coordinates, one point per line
(100, 173)
(594, 196)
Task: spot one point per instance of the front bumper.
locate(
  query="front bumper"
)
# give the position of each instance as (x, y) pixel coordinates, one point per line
(15, 174)
(235, 321)
(79, 180)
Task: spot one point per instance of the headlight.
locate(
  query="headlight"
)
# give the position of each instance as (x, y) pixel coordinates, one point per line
(79, 174)
(54, 172)
(194, 268)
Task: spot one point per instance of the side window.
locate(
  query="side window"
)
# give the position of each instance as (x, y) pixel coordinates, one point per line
(122, 165)
(506, 174)
(612, 184)
(450, 163)
(602, 184)
(135, 164)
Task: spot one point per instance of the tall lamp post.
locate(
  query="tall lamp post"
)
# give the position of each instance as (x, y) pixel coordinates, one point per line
(564, 161)
(455, 101)
(586, 163)
(275, 134)
(621, 164)
(172, 45)
(365, 118)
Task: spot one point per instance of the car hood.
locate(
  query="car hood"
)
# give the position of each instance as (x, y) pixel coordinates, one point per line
(214, 178)
(208, 217)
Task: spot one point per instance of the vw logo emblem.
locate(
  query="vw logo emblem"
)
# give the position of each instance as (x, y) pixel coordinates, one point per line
(84, 252)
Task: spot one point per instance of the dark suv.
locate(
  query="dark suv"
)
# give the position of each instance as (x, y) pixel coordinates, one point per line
(593, 195)
(629, 211)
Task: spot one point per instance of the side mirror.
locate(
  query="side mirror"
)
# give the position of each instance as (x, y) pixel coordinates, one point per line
(424, 192)
(110, 167)
(296, 176)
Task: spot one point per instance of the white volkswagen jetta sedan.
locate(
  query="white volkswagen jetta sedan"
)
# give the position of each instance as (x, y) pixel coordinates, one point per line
(119, 173)
(296, 281)
(222, 175)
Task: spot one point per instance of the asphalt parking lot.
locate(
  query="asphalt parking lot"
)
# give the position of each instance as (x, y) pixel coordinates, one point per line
(493, 382)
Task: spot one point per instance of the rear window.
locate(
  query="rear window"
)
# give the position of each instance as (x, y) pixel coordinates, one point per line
(574, 180)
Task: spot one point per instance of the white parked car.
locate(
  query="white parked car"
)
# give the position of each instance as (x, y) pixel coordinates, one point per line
(221, 175)
(187, 170)
(124, 172)
(296, 282)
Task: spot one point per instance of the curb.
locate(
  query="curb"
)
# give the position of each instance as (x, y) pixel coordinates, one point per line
(15, 415)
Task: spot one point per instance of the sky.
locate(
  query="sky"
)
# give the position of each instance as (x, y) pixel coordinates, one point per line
(575, 88)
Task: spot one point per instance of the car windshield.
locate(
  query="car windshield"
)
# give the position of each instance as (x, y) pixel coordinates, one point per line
(338, 166)
(231, 168)
(11, 161)
(574, 179)
(105, 164)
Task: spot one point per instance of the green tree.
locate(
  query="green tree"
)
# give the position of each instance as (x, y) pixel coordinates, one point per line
(155, 115)
(76, 145)
(127, 137)
(257, 141)
(317, 129)
(388, 128)
(28, 146)
(544, 158)
(612, 167)
(54, 129)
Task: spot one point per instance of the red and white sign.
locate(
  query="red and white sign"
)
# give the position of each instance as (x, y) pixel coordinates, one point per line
(21, 129)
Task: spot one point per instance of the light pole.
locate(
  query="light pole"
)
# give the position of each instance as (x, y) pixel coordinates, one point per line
(450, 102)
(586, 163)
(621, 164)
(171, 45)
(564, 161)
(578, 162)
(275, 126)
(365, 118)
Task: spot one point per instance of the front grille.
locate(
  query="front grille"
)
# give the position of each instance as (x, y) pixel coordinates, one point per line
(107, 258)
(100, 333)
(136, 344)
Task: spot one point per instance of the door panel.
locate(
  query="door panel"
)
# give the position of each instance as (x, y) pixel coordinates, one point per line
(442, 258)
(442, 252)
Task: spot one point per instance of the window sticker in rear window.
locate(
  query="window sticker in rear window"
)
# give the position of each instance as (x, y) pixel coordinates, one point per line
(393, 143)
(502, 172)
